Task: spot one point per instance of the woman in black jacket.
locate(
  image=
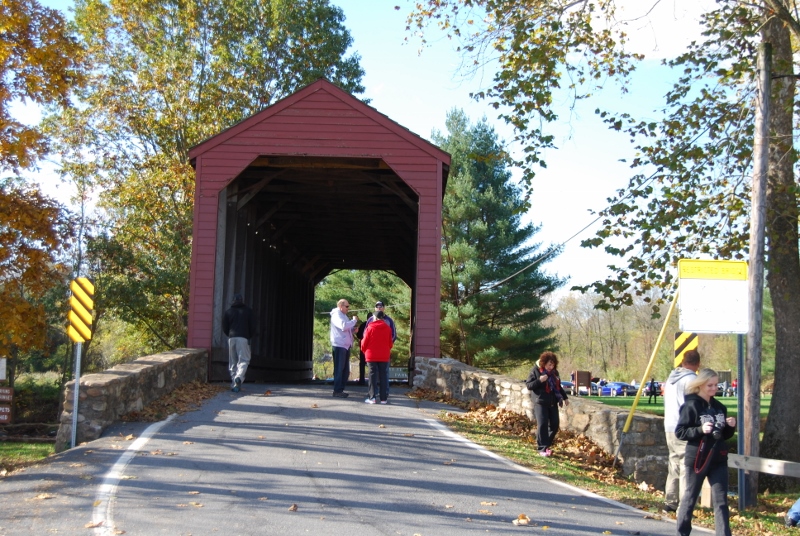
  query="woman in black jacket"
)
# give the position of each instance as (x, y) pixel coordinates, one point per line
(545, 383)
(704, 425)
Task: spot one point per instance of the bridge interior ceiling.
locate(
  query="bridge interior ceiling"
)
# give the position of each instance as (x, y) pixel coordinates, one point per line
(325, 214)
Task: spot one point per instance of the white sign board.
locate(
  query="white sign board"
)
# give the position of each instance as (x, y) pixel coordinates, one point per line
(713, 296)
(2, 369)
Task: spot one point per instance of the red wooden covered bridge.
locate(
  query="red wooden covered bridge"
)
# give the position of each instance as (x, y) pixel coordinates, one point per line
(284, 197)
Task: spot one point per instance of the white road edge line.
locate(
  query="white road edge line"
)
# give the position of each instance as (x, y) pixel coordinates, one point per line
(446, 431)
(102, 512)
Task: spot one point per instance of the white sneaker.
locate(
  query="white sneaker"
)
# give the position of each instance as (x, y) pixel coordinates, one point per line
(384, 402)
(369, 401)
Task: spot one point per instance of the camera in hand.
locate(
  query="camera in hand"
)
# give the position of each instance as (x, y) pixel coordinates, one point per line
(718, 420)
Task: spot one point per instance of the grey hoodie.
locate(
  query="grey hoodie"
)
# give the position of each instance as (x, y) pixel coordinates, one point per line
(674, 392)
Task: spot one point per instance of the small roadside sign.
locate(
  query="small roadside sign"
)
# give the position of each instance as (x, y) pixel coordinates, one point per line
(5, 415)
(80, 315)
(713, 296)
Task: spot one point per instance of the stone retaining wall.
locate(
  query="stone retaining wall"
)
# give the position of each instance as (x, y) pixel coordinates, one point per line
(643, 455)
(106, 396)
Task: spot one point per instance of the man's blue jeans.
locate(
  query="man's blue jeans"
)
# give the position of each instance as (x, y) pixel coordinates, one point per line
(341, 368)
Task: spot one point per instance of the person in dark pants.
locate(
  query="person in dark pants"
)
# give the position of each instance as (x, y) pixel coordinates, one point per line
(362, 359)
(239, 325)
(705, 426)
(377, 346)
(545, 384)
(341, 341)
(652, 391)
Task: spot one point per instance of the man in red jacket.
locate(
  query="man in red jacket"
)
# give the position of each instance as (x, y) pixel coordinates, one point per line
(377, 347)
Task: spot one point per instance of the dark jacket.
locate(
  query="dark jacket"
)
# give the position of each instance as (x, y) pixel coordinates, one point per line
(544, 395)
(239, 321)
(690, 428)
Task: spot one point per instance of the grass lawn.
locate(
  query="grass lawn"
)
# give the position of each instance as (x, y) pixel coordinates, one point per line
(658, 408)
(14, 455)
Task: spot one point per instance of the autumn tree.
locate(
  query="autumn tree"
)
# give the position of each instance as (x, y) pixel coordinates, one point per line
(493, 301)
(33, 230)
(39, 63)
(164, 76)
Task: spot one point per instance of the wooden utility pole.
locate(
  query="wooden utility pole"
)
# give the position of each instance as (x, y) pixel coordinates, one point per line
(758, 215)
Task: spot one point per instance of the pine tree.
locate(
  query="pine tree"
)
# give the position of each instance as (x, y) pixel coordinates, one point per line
(484, 243)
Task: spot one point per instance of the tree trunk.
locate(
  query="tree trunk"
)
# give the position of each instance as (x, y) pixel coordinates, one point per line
(783, 264)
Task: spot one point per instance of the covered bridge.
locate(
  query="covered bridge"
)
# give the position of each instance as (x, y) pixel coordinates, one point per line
(282, 199)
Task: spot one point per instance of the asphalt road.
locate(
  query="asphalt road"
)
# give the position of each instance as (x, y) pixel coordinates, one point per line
(299, 462)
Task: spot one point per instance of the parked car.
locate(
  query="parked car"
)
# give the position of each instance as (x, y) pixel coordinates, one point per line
(583, 391)
(617, 389)
(568, 386)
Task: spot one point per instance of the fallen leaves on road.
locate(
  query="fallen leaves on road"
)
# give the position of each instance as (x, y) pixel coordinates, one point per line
(488, 503)
(187, 397)
(44, 496)
(194, 493)
(267, 393)
(381, 426)
(522, 519)
(293, 508)
(93, 525)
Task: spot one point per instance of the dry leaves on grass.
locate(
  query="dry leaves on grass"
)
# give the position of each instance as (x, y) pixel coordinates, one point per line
(187, 397)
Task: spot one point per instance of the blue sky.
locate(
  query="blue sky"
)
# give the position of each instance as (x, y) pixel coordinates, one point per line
(417, 88)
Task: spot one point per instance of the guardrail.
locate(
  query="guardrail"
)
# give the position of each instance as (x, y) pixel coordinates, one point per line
(764, 465)
(753, 463)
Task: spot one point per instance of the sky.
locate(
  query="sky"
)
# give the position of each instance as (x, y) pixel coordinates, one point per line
(417, 87)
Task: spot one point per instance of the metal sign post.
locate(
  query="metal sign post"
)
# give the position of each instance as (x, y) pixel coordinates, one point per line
(76, 392)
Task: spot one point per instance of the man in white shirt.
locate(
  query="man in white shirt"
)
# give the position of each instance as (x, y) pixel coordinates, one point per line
(341, 341)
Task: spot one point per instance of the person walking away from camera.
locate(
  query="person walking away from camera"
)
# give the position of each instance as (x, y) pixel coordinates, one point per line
(705, 426)
(239, 325)
(674, 390)
(377, 347)
(793, 515)
(545, 384)
(341, 341)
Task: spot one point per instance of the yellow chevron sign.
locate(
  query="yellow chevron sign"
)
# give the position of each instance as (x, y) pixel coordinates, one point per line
(80, 315)
(684, 341)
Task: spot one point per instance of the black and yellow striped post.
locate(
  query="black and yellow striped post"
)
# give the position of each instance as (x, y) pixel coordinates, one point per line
(684, 341)
(81, 305)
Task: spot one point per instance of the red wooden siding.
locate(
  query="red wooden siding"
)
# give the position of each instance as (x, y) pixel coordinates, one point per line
(320, 120)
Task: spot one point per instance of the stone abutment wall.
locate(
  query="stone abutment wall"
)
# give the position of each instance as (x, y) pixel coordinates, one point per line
(643, 455)
(106, 396)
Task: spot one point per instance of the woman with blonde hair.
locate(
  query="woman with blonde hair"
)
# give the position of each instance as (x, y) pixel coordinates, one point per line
(705, 426)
